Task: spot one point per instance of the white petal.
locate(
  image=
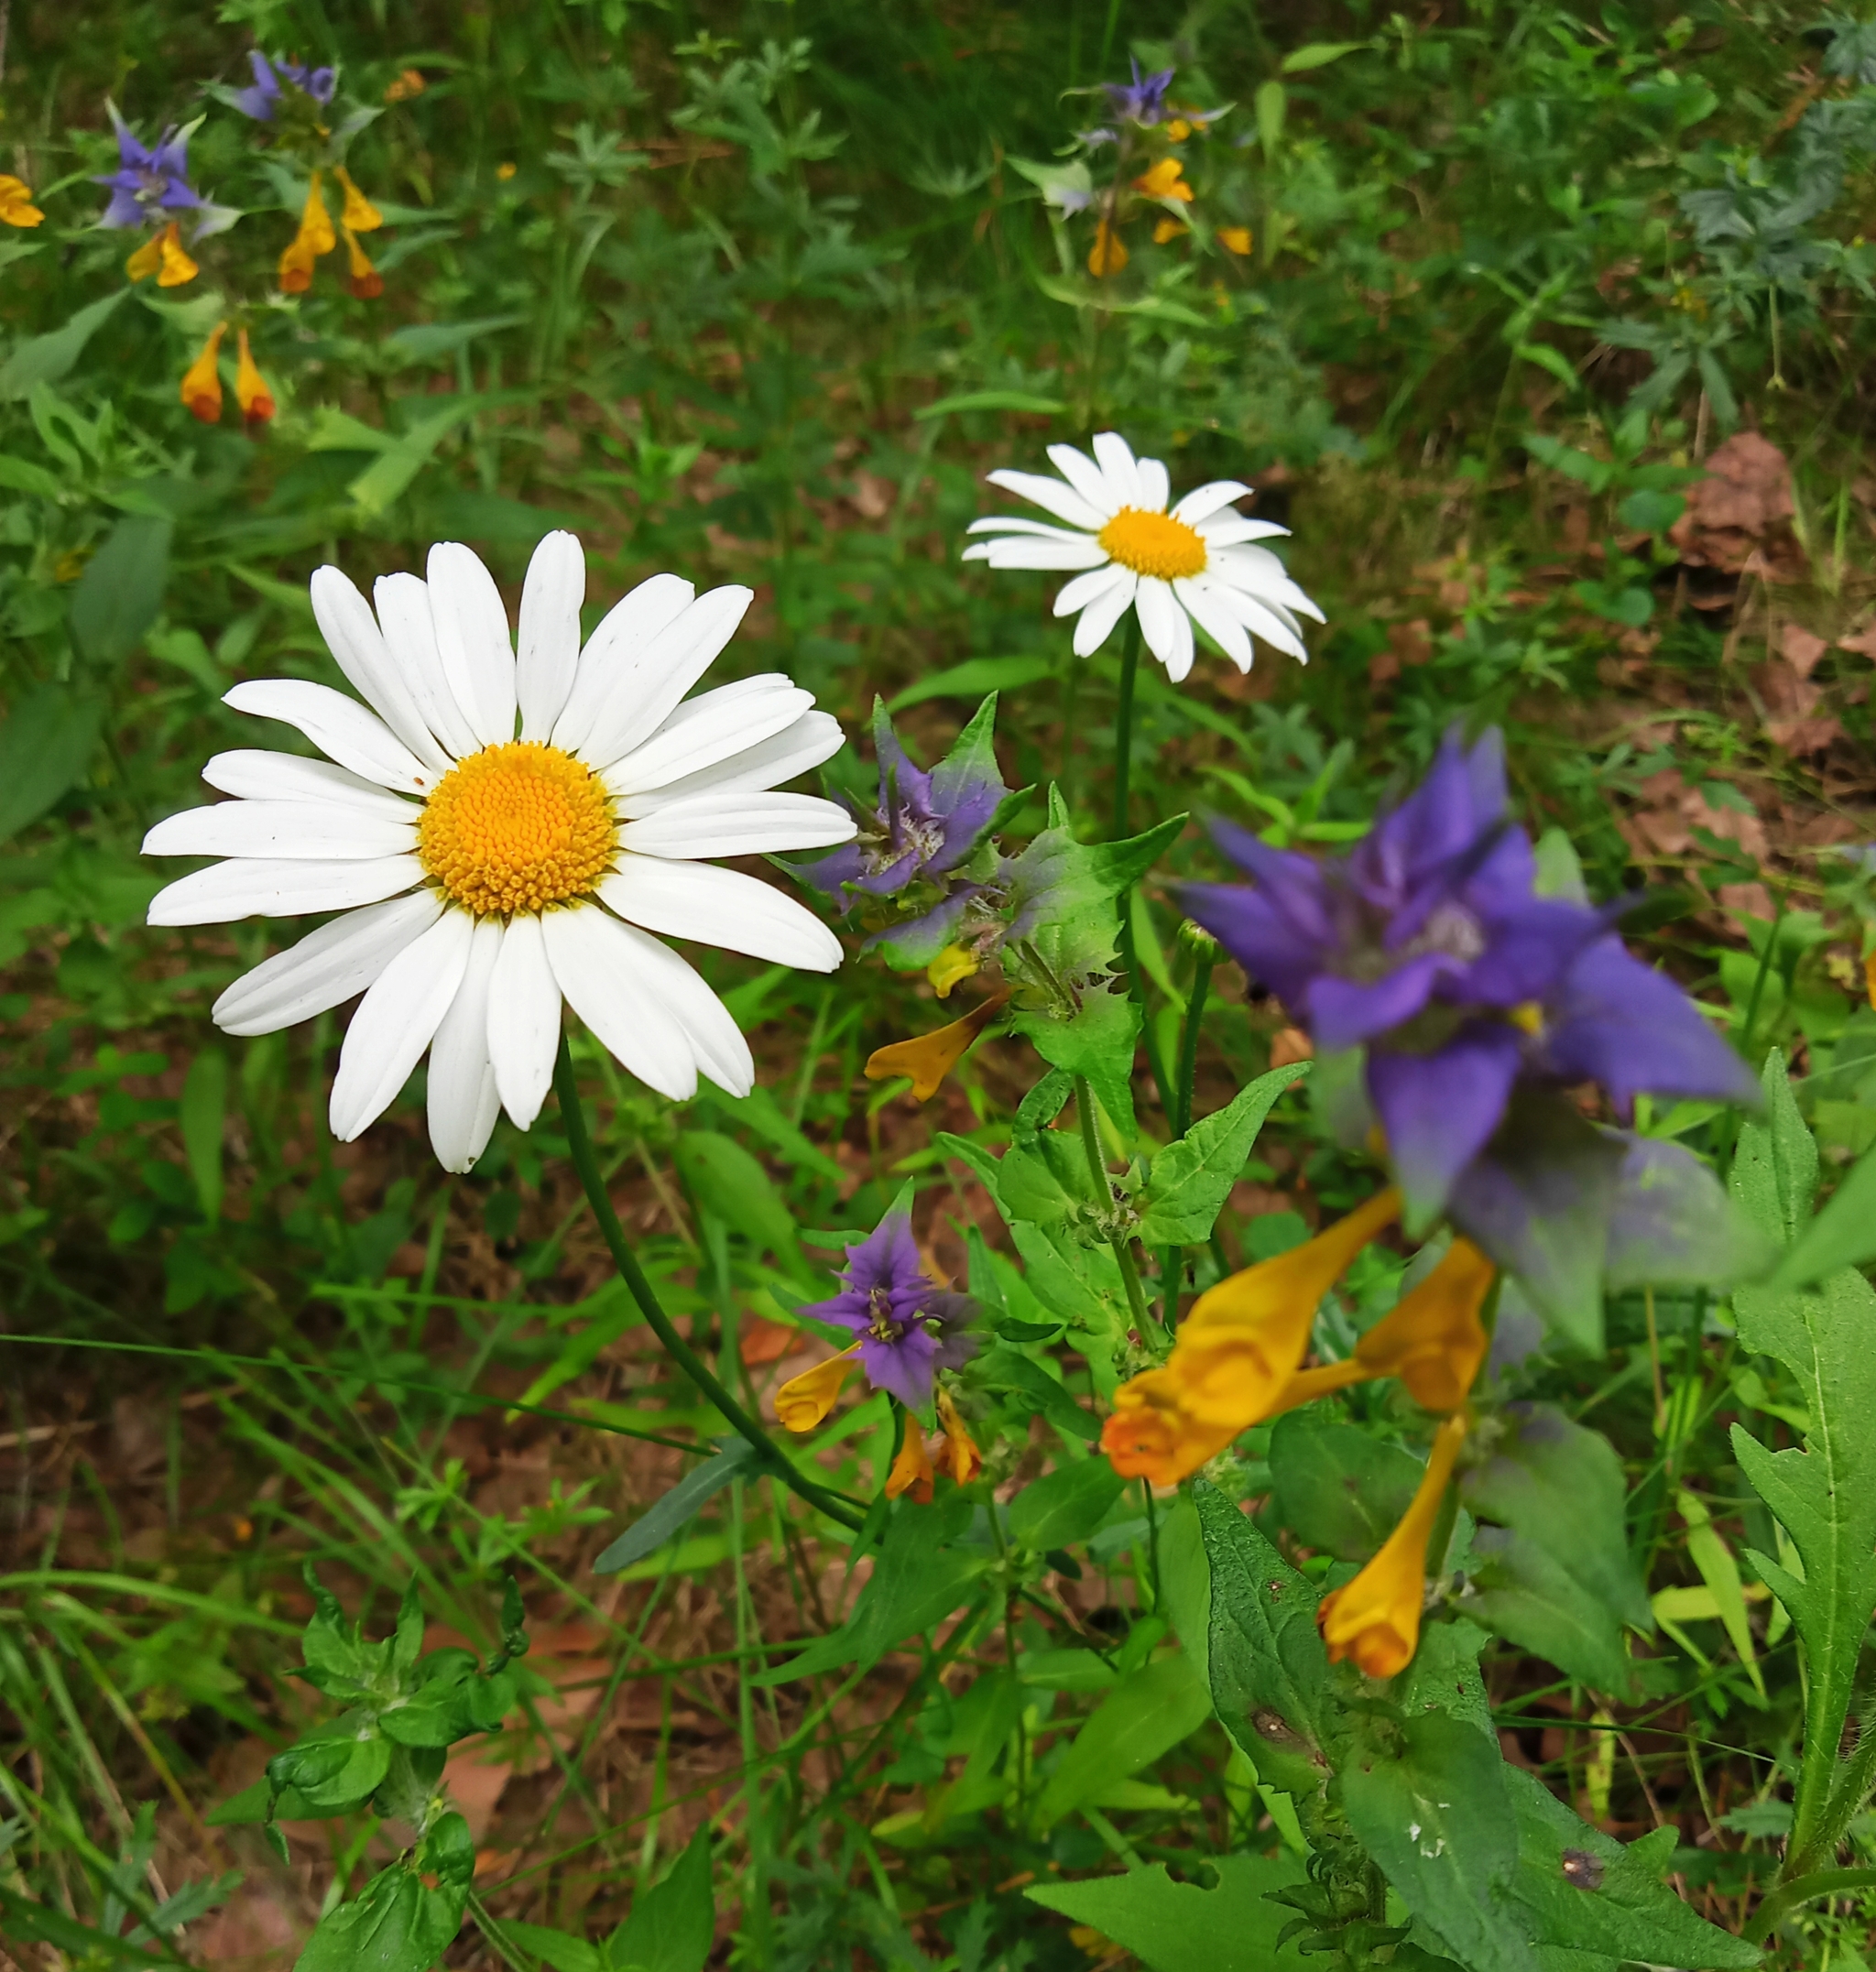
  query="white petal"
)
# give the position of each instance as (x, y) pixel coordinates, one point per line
(256, 774)
(274, 887)
(1085, 589)
(604, 972)
(1159, 617)
(1208, 498)
(1016, 524)
(736, 824)
(1114, 457)
(352, 636)
(524, 1020)
(715, 1040)
(409, 632)
(326, 967)
(462, 1097)
(813, 738)
(710, 728)
(1019, 553)
(627, 627)
(1089, 482)
(1219, 625)
(1229, 529)
(1257, 616)
(304, 830)
(548, 649)
(1184, 646)
(396, 1021)
(1260, 572)
(1097, 620)
(1065, 502)
(340, 727)
(1155, 486)
(646, 692)
(720, 906)
(472, 639)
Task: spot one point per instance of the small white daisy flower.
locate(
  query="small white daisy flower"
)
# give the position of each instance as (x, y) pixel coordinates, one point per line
(504, 830)
(1175, 565)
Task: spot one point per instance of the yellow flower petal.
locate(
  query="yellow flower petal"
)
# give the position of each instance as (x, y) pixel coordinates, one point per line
(202, 381)
(1108, 254)
(911, 1470)
(314, 237)
(365, 280)
(179, 269)
(17, 207)
(957, 1450)
(1234, 239)
(954, 964)
(803, 1401)
(251, 392)
(1432, 1340)
(1150, 1435)
(929, 1058)
(1375, 1619)
(1164, 181)
(360, 215)
(146, 260)
(1167, 229)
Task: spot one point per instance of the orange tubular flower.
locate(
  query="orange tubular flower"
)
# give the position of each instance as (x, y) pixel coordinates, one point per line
(314, 237)
(1245, 1338)
(1151, 1435)
(1375, 1619)
(1109, 254)
(147, 260)
(957, 1450)
(1167, 229)
(803, 1401)
(929, 1058)
(177, 268)
(1434, 1340)
(202, 381)
(1166, 180)
(911, 1470)
(17, 207)
(360, 215)
(1234, 239)
(366, 280)
(251, 392)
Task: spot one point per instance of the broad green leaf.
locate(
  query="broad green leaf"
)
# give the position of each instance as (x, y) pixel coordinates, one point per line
(1318, 55)
(406, 455)
(1775, 1169)
(1445, 1675)
(425, 342)
(46, 744)
(1842, 1235)
(1098, 1041)
(44, 359)
(1189, 1181)
(1065, 1505)
(1044, 1179)
(676, 1510)
(1612, 1901)
(1522, 1592)
(760, 1114)
(204, 1116)
(672, 1925)
(556, 1948)
(1178, 1927)
(730, 1182)
(1824, 1498)
(1336, 1487)
(21, 475)
(1428, 1801)
(1145, 1716)
(119, 594)
(336, 1768)
(399, 1925)
(1009, 1369)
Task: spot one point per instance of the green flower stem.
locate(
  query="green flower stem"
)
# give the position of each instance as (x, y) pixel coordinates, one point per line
(1804, 1890)
(1123, 724)
(586, 1164)
(1071, 752)
(1104, 1199)
(1188, 1041)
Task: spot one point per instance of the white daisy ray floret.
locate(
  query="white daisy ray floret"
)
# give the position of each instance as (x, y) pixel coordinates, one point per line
(1196, 562)
(505, 827)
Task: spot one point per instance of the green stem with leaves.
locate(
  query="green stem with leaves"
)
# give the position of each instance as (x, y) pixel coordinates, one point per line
(586, 1165)
(1104, 1200)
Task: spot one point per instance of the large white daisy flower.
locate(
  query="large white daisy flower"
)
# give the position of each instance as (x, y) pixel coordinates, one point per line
(505, 829)
(1175, 565)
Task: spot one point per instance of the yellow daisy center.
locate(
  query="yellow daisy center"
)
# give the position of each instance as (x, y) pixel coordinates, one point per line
(1154, 544)
(517, 827)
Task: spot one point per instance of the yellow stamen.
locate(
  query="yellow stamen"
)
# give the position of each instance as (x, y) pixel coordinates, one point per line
(1150, 1435)
(929, 1058)
(803, 1401)
(911, 1470)
(1433, 1339)
(1245, 1338)
(1109, 254)
(1178, 130)
(957, 1450)
(1528, 1017)
(314, 237)
(1234, 239)
(1166, 181)
(955, 962)
(360, 215)
(1154, 544)
(202, 381)
(1375, 1619)
(146, 259)
(517, 827)
(178, 269)
(251, 392)
(366, 280)
(17, 207)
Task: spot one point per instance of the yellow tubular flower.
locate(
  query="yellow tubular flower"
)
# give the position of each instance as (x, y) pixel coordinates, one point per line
(1109, 254)
(314, 237)
(366, 280)
(1245, 1338)
(1151, 1435)
(911, 1470)
(1166, 180)
(957, 1450)
(17, 207)
(929, 1058)
(202, 381)
(178, 269)
(1434, 1340)
(803, 1401)
(1375, 1619)
(1167, 229)
(956, 962)
(147, 260)
(251, 392)
(360, 215)
(1234, 239)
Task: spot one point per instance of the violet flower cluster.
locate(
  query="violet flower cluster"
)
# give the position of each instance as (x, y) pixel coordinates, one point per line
(909, 1328)
(262, 98)
(150, 185)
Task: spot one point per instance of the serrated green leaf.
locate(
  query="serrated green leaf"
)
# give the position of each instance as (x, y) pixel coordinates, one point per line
(1775, 1169)
(1098, 1041)
(1189, 1181)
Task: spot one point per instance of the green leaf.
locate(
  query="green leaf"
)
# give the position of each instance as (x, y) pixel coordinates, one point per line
(1146, 1715)
(1007, 1369)
(1319, 54)
(1522, 1592)
(334, 1769)
(204, 1117)
(44, 359)
(1178, 1927)
(47, 1925)
(993, 400)
(1098, 1041)
(1842, 1235)
(399, 1925)
(1337, 1487)
(972, 678)
(675, 1510)
(1066, 1505)
(1775, 1169)
(563, 1953)
(1618, 1908)
(1189, 1181)
(723, 1177)
(1044, 1179)
(121, 590)
(673, 1924)
(20, 475)
(46, 744)
(1429, 1805)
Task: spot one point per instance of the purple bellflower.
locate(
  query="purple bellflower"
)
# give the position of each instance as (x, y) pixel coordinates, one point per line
(1143, 101)
(1429, 947)
(150, 185)
(908, 1327)
(260, 99)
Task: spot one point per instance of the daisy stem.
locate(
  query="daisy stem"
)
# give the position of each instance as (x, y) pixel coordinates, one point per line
(586, 1164)
(1123, 723)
